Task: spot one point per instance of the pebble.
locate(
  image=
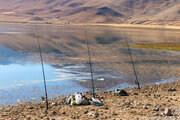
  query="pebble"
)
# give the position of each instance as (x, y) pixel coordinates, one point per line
(171, 89)
(53, 113)
(162, 109)
(85, 111)
(53, 103)
(30, 107)
(105, 107)
(113, 113)
(73, 117)
(168, 112)
(157, 108)
(45, 112)
(28, 118)
(148, 104)
(46, 118)
(93, 114)
(156, 114)
(63, 112)
(145, 107)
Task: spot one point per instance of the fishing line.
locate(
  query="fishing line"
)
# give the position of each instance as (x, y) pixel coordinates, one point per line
(90, 62)
(137, 80)
(42, 65)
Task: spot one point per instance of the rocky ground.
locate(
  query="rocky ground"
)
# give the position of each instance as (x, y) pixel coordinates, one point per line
(153, 102)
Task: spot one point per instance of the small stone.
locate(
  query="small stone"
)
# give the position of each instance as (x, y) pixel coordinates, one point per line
(73, 117)
(168, 112)
(28, 118)
(135, 93)
(106, 108)
(156, 114)
(63, 112)
(171, 89)
(55, 103)
(120, 93)
(53, 113)
(41, 106)
(162, 109)
(145, 107)
(52, 119)
(113, 113)
(92, 114)
(45, 112)
(157, 108)
(133, 107)
(158, 95)
(86, 111)
(148, 104)
(30, 107)
(46, 118)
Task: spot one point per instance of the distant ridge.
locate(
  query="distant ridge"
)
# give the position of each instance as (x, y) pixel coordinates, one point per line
(154, 12)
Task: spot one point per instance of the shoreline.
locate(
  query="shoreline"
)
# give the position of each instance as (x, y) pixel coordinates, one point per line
(150, 102)
(129, 26)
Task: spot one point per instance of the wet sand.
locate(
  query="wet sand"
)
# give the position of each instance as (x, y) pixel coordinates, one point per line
(157, 101)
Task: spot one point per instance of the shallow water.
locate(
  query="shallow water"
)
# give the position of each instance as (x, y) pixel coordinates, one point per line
(65, 58)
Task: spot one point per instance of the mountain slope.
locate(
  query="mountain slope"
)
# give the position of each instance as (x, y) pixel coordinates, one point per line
(92, 11)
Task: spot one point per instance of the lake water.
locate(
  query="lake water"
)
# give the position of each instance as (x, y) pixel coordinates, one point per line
(66, 62)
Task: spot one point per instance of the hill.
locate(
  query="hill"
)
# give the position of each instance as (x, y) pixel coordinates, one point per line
(161, 12)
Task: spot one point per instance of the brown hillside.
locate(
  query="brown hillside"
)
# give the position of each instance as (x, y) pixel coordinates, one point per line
(92, 11)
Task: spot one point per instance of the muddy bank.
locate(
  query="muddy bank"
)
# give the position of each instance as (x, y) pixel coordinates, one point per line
(159, 101)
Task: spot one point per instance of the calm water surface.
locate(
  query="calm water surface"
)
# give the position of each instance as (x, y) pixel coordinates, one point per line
(65, 57)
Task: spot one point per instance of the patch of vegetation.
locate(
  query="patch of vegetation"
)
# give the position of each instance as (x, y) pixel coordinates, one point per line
(55, 11)
(48, 23)
(37, 19)
(108, 11)
(75, 4)
(170, 46)
(30, 13)
(106, 40)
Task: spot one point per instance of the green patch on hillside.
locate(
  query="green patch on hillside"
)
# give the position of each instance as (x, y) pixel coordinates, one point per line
(170, 46)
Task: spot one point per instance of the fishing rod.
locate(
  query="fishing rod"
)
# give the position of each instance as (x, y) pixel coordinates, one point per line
(137, 80)
(42, 65)
(90, 62)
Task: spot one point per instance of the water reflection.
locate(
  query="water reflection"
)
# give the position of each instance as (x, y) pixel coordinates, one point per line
(66, 61)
